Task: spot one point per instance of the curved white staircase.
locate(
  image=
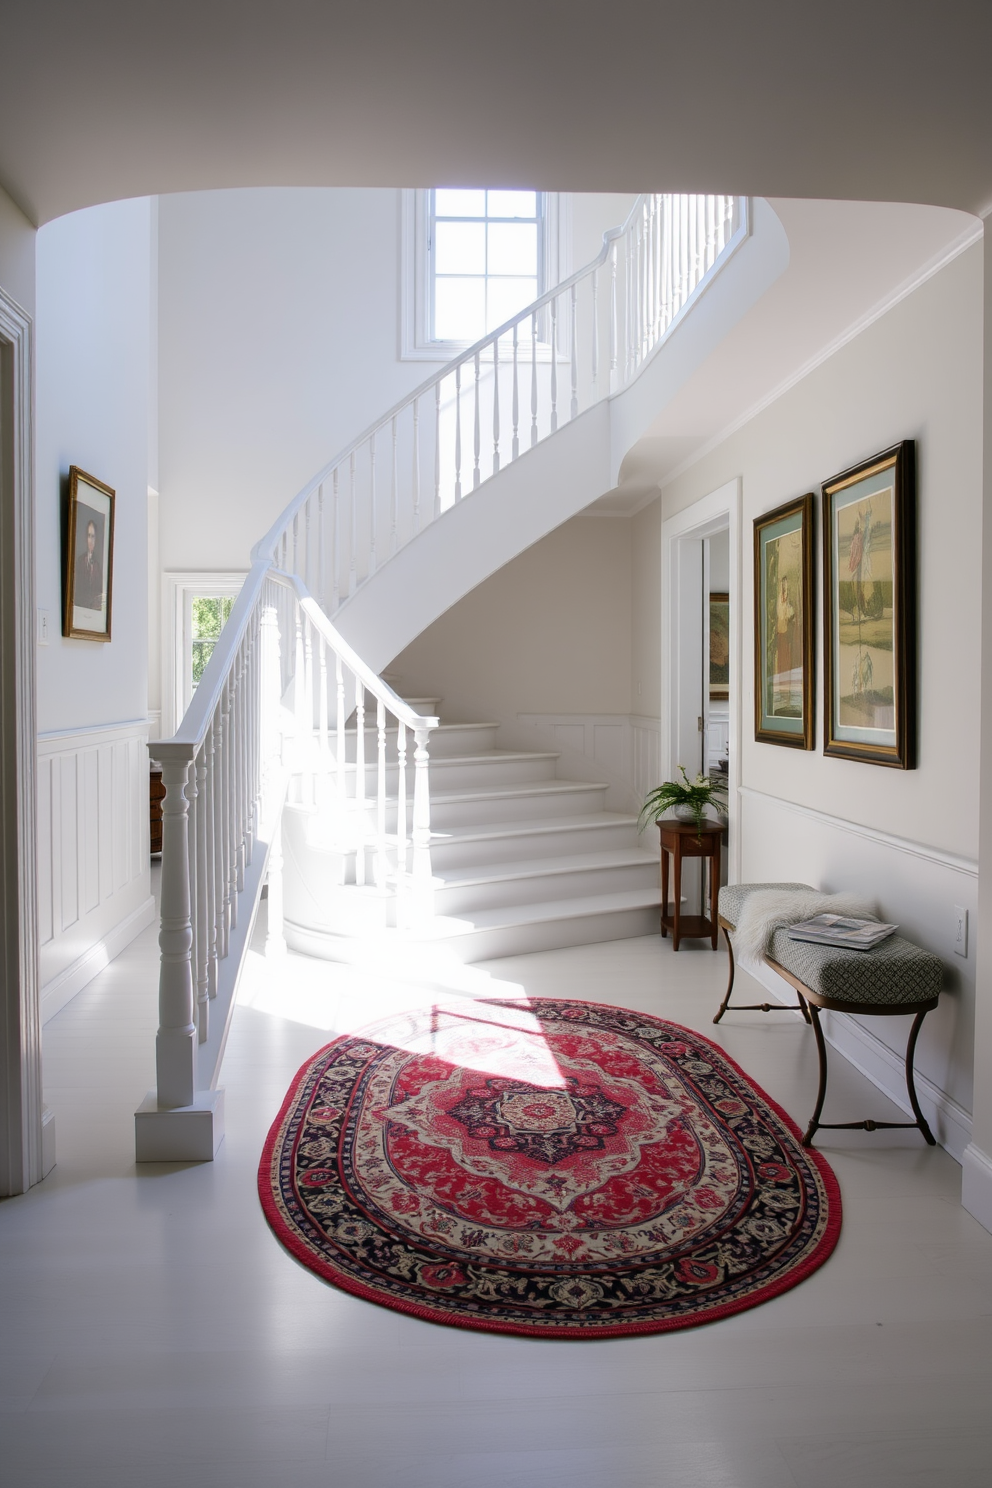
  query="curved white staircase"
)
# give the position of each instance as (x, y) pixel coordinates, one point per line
(521, 861)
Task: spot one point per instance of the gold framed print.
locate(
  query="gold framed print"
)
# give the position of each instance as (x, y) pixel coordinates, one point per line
(869, 636)
(87, 591)
(783, 625)
(719, 665)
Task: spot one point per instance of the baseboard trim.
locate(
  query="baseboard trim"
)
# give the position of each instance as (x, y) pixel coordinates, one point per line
(976, 1184)
(63, 987)
(950, 1122)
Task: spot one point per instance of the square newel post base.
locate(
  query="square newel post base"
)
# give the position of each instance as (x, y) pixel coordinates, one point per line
(184, 1134)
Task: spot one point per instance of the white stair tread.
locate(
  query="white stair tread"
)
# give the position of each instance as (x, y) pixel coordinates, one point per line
(534, 826)
(446, 926)
(525, 788)
(483, 757)
(446, 727)
(537, 867)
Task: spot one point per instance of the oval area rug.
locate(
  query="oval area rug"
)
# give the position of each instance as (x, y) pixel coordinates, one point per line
(553, 1168)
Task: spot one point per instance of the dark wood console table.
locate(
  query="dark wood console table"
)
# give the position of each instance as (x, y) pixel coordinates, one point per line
(683, 840)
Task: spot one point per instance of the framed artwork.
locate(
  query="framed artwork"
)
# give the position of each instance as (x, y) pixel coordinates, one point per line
(869, 637)
(89, 558)
(783, 625)
(719, 647)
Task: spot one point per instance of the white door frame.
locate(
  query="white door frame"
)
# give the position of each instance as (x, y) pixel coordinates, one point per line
(720, 510)
(22, 1161)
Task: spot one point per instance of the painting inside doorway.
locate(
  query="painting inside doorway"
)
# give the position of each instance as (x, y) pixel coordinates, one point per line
(783, 629)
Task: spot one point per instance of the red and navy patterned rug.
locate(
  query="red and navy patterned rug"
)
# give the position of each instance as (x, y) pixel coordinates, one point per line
(559, 1169)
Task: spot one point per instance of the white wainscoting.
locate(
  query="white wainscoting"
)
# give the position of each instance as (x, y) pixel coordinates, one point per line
(94, 891)
(914, 885)
(622, 749)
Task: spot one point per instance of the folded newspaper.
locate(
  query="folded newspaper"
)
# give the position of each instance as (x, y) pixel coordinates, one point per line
(840, 930)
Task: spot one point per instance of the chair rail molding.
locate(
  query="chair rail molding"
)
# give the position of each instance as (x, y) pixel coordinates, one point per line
(24, 1154)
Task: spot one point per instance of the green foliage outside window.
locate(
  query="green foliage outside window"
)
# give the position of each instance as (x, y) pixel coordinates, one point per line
(209, 619)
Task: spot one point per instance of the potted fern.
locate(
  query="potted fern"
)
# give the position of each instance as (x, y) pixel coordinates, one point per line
(688, 799)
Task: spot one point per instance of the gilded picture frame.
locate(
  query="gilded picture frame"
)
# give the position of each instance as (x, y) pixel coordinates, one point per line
(869, 634)
(87, 590)
(784, 651)
(719, 643)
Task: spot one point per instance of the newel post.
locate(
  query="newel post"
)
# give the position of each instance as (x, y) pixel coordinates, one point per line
(175, 1042)
(423, 881)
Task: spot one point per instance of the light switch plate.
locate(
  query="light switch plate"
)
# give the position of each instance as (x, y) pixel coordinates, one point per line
(960, 930)
(44, 626)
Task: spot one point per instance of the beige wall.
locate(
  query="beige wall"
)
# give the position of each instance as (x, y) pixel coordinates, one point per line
(645, 535)
(915, 374)
(549, 633)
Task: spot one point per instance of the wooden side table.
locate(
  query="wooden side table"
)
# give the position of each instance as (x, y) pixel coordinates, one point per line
(683, 840)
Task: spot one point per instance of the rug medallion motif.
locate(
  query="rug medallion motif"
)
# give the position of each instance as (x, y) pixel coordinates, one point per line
(558, 1168)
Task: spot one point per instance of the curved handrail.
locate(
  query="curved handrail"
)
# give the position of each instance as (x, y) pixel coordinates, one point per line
(266, 545)
(377, 685)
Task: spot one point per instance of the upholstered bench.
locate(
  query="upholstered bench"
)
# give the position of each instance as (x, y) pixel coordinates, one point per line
(895, 977)
(732, 897)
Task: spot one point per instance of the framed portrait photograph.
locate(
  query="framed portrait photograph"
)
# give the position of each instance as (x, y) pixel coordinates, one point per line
(783, 625)
(89, 558)
(869, 637)
(719, 669)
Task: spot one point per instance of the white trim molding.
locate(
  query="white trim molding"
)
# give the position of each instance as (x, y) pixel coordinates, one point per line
(26, 1151)
(94, 889)
(976, 1184)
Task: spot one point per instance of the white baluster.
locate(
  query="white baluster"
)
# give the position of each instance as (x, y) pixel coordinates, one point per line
(296, 541)
(353, 564)
(595, 335)
(515, 445)
(495, 408)
(275, 939)
(191, 790)
(554, 364)
(574, 406)
(359, 809)
(228, 867)
(202, 902)
(321, 560)
(336, 535)
(306, 543)
(423, 885)
(476, 475)
(380, 799)
(210, 808)
(613, 317)
(437, 449)
(533, 379)
(393, 538)
(401, 831)
(416, 465)
(322, 724)
(306, 761)
(371, 567)
(458, 432)
(175, 1042)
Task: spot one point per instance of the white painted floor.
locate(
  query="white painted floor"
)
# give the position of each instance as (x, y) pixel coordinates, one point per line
(154, 1334)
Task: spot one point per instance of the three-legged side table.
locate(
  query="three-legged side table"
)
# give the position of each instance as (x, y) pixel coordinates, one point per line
(683, 840)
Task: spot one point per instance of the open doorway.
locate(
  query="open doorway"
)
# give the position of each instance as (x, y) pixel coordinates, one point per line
(701, 702)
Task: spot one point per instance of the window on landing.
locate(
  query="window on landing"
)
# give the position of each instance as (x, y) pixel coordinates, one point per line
(486, 254)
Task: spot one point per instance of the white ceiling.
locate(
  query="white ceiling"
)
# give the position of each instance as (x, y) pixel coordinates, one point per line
(855, 99)
(846, 260)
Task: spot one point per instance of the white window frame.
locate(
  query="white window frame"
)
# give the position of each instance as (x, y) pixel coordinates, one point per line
(178, 592)
(415, 270)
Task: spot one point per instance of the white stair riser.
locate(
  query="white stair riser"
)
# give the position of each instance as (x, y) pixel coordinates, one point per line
(580, 801)
(458, 739)
(549, 843)
(459, 899)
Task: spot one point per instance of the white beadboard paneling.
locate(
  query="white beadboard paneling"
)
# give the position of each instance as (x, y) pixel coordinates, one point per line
(93, 863)
(916, 886)
(646, 740)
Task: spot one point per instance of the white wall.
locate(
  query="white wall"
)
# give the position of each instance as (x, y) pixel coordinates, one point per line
(550, 633)
(17, 240)
(910, 838)
(93, 410)
(279, 344)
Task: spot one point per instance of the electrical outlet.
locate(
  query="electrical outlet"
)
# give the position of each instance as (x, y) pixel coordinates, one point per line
(44, 626)
(960, 930)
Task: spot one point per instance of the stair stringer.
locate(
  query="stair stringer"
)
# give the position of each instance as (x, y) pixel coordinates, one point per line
(561, 476)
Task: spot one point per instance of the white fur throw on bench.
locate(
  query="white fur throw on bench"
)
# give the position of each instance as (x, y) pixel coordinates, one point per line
(768, 910)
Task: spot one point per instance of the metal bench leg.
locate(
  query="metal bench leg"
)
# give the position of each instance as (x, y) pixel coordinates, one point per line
(921, 1120)
(821, 1054)
(730, 982)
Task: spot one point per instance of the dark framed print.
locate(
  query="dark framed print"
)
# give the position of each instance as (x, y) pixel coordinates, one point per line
(783, 625)
(89, 558)
(869, 636)
(719, 669)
